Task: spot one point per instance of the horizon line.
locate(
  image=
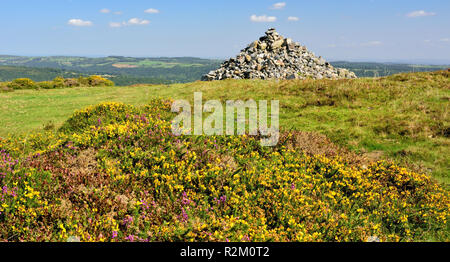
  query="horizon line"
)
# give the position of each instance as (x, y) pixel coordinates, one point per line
(416, 61)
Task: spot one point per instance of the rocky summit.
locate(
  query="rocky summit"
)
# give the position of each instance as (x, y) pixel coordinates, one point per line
(276, 57)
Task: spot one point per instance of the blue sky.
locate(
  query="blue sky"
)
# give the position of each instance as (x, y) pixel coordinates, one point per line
(356, 30)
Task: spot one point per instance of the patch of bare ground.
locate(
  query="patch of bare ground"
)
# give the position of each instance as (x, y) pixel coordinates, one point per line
(124, 66)
(317, 144)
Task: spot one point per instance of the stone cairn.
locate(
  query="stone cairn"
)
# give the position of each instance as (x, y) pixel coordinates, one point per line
(276, 57)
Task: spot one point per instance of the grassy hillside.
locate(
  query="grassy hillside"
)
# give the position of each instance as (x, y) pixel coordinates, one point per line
(402, 117)
(115, 172)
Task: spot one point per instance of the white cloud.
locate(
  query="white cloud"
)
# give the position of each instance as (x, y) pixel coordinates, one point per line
(293, 18)
(263, 18)
(105, 11)
(131, 22)
(115, 24)
(137, 21)
(420, 13)
(152, 11)
(278, 6)
(79, 22)
(118, 13)
(445, 40)
(372, 43)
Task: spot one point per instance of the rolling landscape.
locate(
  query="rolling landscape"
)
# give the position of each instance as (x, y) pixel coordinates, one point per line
(92, 148)
(129, 70)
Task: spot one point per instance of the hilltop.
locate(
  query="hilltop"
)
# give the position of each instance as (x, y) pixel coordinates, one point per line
(401, 117)
(331, 177)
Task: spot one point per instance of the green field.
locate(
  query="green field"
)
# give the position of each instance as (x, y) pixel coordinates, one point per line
(402, 117)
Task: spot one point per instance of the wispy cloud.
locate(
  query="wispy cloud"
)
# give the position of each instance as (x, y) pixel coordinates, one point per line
(372, 43)
(152, 11)
(293, 18)
(107, 11)
(445, 40)
(263, 19)
(115, 24)
(79, 22)
(278, 6)
(420, 13)
(131, 22)
(137, 21)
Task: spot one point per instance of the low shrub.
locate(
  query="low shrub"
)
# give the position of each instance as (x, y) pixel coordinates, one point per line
(22, 83)
(46, 85)
(71, 82)
(98, 115)
(95, 81)
(5, 88)
(128, 178)
(58, 82)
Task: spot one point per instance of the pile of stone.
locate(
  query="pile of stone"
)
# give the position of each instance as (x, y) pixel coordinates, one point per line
(276, 57)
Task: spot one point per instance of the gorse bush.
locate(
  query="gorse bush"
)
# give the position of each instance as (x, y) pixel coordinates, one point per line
(102, 114)
(58, 82)
(95, 81)
(22, 83)
(117, 173)
(46, 85)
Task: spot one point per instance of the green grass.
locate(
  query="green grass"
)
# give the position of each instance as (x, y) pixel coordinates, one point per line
(403, 117)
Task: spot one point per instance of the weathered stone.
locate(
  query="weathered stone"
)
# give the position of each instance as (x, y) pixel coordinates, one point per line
(291, 47)
(277, 44)
(292, 76)
(288, 41)
(263, 46)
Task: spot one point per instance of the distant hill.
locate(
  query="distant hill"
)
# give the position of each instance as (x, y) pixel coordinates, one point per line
(368, 69)
(162, 70)
(123, 69)
(8, 73)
